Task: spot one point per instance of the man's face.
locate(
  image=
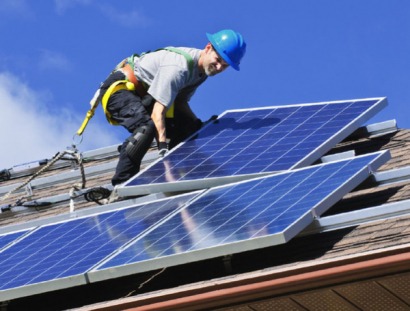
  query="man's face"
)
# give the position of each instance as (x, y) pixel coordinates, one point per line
(213, 63)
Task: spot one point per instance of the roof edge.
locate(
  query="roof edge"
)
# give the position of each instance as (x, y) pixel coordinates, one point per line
(217, 293)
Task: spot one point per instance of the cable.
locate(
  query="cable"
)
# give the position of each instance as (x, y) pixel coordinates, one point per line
(75, 156)
(96, 194)
(145, 282)
(5, 175)
(55, 159)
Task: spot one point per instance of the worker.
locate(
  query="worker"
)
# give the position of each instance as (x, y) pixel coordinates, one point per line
(144, 89)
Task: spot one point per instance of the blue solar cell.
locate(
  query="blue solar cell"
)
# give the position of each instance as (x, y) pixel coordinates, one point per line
(252, 209)
(260, 140)
(73, 247)
(8, 238)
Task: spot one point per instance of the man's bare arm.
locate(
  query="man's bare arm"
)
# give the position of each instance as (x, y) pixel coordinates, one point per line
(158, 116)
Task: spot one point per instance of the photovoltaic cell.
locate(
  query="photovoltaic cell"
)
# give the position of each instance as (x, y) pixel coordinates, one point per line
(246, 215)
(260, 140)
(8, 238)
(73, 247)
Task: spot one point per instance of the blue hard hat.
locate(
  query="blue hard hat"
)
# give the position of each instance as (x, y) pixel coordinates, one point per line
(230, 46)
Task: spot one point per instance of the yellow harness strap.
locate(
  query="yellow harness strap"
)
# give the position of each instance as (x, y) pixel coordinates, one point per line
(94, 104)
(170, 112)
(87, 118)
(116, 86)
(126, 66)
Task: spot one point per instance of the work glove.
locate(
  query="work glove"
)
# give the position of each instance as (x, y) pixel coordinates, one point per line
(210, 120)
(198, 123)
(162, 149)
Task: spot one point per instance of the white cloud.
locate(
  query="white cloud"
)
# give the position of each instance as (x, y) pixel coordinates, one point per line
(30, 132)
(63, 5)
(20, 8)
(125, 17)
(53, 60)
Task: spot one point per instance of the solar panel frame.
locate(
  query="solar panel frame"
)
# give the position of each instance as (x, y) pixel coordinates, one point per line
(127, 189)
(100, 273)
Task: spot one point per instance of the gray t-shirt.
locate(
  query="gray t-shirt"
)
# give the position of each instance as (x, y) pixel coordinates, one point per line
(168, 76)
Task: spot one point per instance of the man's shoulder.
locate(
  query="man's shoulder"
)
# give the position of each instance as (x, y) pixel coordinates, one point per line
(194, 53)
(189, 49)
(180, 59)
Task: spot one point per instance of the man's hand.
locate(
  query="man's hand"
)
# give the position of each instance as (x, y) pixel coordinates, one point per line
(210, 120)
(162, 149)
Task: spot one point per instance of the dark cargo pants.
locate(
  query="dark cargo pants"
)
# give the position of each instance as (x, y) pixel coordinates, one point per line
(127, 109)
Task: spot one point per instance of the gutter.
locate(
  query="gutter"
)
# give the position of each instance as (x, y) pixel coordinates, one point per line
(266, 284)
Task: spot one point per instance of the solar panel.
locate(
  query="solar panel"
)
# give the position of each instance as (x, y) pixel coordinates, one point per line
(58, 256)
(242, 216)
(6, 239)
(247, 143)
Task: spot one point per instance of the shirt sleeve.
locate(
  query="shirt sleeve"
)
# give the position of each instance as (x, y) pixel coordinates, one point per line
(169, 80)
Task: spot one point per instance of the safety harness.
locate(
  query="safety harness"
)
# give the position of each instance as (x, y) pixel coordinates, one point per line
(131, 84)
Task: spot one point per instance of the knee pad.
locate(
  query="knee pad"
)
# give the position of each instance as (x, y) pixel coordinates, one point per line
(139, 142)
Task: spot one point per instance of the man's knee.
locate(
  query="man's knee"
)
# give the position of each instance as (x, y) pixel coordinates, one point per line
(140, 141)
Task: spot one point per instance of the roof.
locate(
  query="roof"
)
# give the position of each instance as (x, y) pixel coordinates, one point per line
(356, 255)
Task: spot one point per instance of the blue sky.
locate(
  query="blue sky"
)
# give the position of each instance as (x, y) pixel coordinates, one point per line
(54, 54)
